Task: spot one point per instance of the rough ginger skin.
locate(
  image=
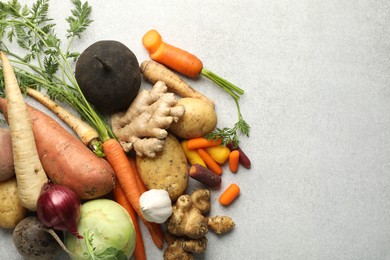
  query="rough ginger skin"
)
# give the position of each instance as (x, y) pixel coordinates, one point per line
(143, 126)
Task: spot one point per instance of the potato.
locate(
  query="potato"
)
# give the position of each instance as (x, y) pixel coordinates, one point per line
(6, 160)
(199, 118)
(168, 170)
(11, 211)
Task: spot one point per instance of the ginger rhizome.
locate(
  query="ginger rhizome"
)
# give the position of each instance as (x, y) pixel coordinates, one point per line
(188, 225)
(143, 126)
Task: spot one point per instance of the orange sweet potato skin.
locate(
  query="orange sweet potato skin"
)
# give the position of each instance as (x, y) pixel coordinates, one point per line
(66, 160)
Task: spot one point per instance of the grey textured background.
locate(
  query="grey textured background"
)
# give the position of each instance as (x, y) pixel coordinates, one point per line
(316, 75)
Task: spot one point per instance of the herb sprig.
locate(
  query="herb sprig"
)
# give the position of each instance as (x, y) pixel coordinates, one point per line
(229, 135)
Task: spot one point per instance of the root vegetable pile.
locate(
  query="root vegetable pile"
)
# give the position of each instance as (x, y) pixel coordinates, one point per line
(126, 140)
(191, 66)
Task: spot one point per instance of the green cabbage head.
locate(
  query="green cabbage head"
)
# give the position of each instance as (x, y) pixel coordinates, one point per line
(107, 229)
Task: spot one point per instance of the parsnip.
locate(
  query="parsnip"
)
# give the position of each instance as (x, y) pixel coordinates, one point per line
(29, 172)
(83, 130)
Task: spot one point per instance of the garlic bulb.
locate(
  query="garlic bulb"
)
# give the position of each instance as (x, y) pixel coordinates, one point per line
(156, 206)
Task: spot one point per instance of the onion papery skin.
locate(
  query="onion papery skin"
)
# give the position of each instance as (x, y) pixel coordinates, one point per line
(58, 207)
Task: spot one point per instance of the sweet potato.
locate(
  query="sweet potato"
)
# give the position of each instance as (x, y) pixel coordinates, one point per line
(6, 160)
(66, 160)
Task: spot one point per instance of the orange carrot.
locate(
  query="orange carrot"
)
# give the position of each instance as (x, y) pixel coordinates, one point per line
(201, 142)
(140, 183)
(155, 229)
(229, 195)
(119, 196)
(126, 178)
(244, 159)
(211, 164)
(234, 160)
(171, 56)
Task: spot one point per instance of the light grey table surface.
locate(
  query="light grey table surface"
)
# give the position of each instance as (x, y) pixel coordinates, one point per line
(316, 76)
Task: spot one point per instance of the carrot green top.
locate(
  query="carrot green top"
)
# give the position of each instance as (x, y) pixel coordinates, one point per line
(42, 47)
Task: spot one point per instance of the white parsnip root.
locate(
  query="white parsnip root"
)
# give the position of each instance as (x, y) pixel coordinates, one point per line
(154, 72)
(29, 172)
(83, 130)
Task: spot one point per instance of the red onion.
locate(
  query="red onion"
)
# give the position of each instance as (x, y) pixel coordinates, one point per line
(58, 207)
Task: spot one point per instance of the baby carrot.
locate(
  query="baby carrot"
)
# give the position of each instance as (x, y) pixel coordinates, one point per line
(220, 153)
(211, 164)
(244, 159)
(229, 195)
(234, 160)
(193, 156)
(201, 142)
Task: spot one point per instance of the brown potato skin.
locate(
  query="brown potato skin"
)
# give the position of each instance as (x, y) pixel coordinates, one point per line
(11, 211)
(199, 119)
(6, 159)
(168, 170)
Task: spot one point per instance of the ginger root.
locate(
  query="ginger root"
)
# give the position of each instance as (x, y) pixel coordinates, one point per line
(143, 126)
